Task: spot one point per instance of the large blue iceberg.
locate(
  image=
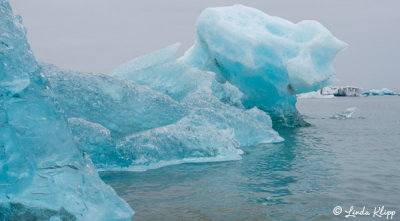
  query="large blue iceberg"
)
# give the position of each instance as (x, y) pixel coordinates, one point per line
(267, 58)
(59, 127)
(44, 175)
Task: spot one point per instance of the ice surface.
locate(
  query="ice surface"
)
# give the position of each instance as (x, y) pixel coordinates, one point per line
(155, 111)
(208, 100)
(121, 107)
(267, 58)
(14, 42)
(43, 173)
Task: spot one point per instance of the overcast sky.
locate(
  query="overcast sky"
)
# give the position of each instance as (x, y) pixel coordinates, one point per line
(98, 35)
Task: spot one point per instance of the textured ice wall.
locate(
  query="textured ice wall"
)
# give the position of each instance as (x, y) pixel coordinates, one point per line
(43, 173)
(118, 105)
(201, 94)
(268, 58)
(13, 42)
(216, 123)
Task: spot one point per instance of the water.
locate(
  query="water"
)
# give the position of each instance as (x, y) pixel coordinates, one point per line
(342, 161)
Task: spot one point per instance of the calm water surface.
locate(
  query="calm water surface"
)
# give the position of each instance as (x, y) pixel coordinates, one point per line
(354, 161)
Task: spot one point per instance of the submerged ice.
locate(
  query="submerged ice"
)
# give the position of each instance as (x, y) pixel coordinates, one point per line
(347, 114)
(57, 125)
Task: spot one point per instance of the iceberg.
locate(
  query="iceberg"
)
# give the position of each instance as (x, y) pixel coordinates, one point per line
(377, 92)
(267, 58)
(155, 111)
(43, 173)
(347, 91)
(331, 91)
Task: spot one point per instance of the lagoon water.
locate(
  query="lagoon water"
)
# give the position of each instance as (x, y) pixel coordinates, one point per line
(336, 161)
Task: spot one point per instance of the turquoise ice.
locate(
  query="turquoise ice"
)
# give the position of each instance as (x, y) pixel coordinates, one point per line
(379, 92)
(155, 111)
(43, 173)
(267, 58)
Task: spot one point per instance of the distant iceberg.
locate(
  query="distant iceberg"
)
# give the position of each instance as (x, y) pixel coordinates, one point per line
(381, 92)
(331, 91)
(347, 91)
(58, 125)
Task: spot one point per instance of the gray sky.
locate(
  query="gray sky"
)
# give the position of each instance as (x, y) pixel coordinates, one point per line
(98, 35)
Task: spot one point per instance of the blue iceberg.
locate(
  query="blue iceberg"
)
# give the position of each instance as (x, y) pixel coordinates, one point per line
(267, 58)
(379, 92)
(155, 111)
(43, 173)
(59, 127)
